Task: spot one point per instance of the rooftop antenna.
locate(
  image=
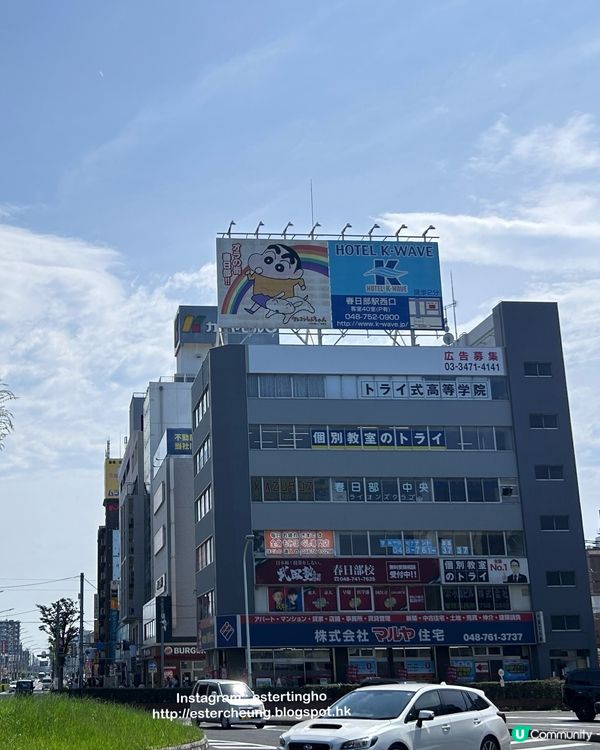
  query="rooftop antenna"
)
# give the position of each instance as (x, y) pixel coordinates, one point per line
(231, 224)
(260, 224)
(312, 231)
(343, 232)
(401, 228)
(372, 229)
(287, 226)
(453, 307)
(429, 229)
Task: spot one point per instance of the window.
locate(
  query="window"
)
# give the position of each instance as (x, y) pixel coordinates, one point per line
(420, 543)
(454, 543)
(356, 543)
(537, 369)
(159, 540)
(560, 577)
(488, 543)
(202, 455)
(498, 389)
(252, 386)
(453, 702)
(564, 622)
(203, 504)
(554, 523)
(515, 543)
(543, 421)
(204, 554)
(504, 441)
(549, 472)
(159, 497)
(509, 488)
(206, 605)
(429, 701)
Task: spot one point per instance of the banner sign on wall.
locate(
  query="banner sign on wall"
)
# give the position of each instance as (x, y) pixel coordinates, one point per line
(273, 631)
(347, 570)
(283, 283)
(485, 570)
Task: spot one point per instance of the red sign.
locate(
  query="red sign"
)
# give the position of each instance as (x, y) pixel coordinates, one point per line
(343, 570)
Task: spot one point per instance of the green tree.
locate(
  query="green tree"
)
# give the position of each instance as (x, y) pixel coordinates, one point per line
(60, 618)
(6, 417)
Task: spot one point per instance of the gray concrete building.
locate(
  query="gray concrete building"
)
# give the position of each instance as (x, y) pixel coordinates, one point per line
(415, 510)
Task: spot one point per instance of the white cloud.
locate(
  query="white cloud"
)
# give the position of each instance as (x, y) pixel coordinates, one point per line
(76, 340)
(563, 149)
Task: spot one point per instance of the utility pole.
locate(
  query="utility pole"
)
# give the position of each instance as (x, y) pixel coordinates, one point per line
(162, 641)
(57, 670)
(80, 631)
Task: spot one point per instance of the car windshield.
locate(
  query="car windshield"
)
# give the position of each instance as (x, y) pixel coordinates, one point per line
(371, 704)
(237, 690)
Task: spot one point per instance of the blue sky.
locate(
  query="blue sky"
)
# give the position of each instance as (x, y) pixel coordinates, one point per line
(132, 132)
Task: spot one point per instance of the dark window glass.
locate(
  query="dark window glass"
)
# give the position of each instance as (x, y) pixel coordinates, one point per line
(537, 369)
(550, 421)
(555, 472)
(256, 489)
(451, 599)
(288, 488)
(302, 436)
(356, 490)
(485, 437)
(498, 389)
(490, 491)
(373, 490)
(496, 543)
(268, 436)
(469, 438)
(360, 544)
(266, 385)
(515, 543)
(254, 436)
(572, 622)
(480, 543)
(554, 523)
(389, 488)
(285, 436)
(457, 490)
(453, 702)
(478, 702)
(536, 421)
(544, 369)
(453, 438)
(316, 386)
(501, 597)
(543, 421)
(252, 386)
(504, 440)
(530, 369)
(377, 543)
(485, 598)
(552, 578)
(306, 488)
(441, 490)
(466, 595)
(475, 490)
(345, 544)
(567, 577)
(300, 384)
(433, 599)
(322, 491)
(271, 489)
(283, 386)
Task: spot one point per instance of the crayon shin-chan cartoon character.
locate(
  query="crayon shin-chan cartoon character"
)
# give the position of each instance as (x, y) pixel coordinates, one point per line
(275, 273)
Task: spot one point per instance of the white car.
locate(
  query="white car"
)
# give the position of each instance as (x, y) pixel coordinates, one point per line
(406, 716)
(227, 702)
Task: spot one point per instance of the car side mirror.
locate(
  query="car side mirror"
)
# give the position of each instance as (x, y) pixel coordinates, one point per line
(424, 716)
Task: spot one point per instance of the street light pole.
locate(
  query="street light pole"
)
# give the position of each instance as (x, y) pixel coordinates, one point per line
(249, 539)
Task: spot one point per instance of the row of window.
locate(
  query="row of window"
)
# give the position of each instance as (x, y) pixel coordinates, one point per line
(202, 455)
(380, 386)
(554, 523)
(430, 543)
(388, 490)
(537, 369)
(203, 504)
(388, 598)
(543, 421)
(549, 472)
(201, 408)
(205, 605)
(454, 437)
(205, 554)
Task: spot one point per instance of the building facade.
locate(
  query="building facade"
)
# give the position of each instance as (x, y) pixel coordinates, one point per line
(408, 506)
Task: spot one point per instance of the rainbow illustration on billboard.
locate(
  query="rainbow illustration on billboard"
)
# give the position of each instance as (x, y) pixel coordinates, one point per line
(273, 283)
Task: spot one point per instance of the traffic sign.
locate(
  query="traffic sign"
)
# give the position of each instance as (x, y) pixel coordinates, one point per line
(152, 666)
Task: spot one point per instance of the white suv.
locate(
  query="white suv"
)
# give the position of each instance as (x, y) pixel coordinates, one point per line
(406, 716)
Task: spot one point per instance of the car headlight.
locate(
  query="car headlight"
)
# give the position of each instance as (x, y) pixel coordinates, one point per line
(282, 741)
(361, 744)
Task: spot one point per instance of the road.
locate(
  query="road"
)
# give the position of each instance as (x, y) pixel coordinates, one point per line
(245, 738)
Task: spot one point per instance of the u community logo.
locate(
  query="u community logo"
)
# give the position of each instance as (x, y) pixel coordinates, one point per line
(520, 733)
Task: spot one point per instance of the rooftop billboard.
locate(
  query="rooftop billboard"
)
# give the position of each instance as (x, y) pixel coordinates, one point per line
(329, 284)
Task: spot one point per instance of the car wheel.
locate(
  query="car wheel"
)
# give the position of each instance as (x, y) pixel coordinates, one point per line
(490, 743)
(260, 725)
(398, 747)
(585, 711)
(225, 723)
